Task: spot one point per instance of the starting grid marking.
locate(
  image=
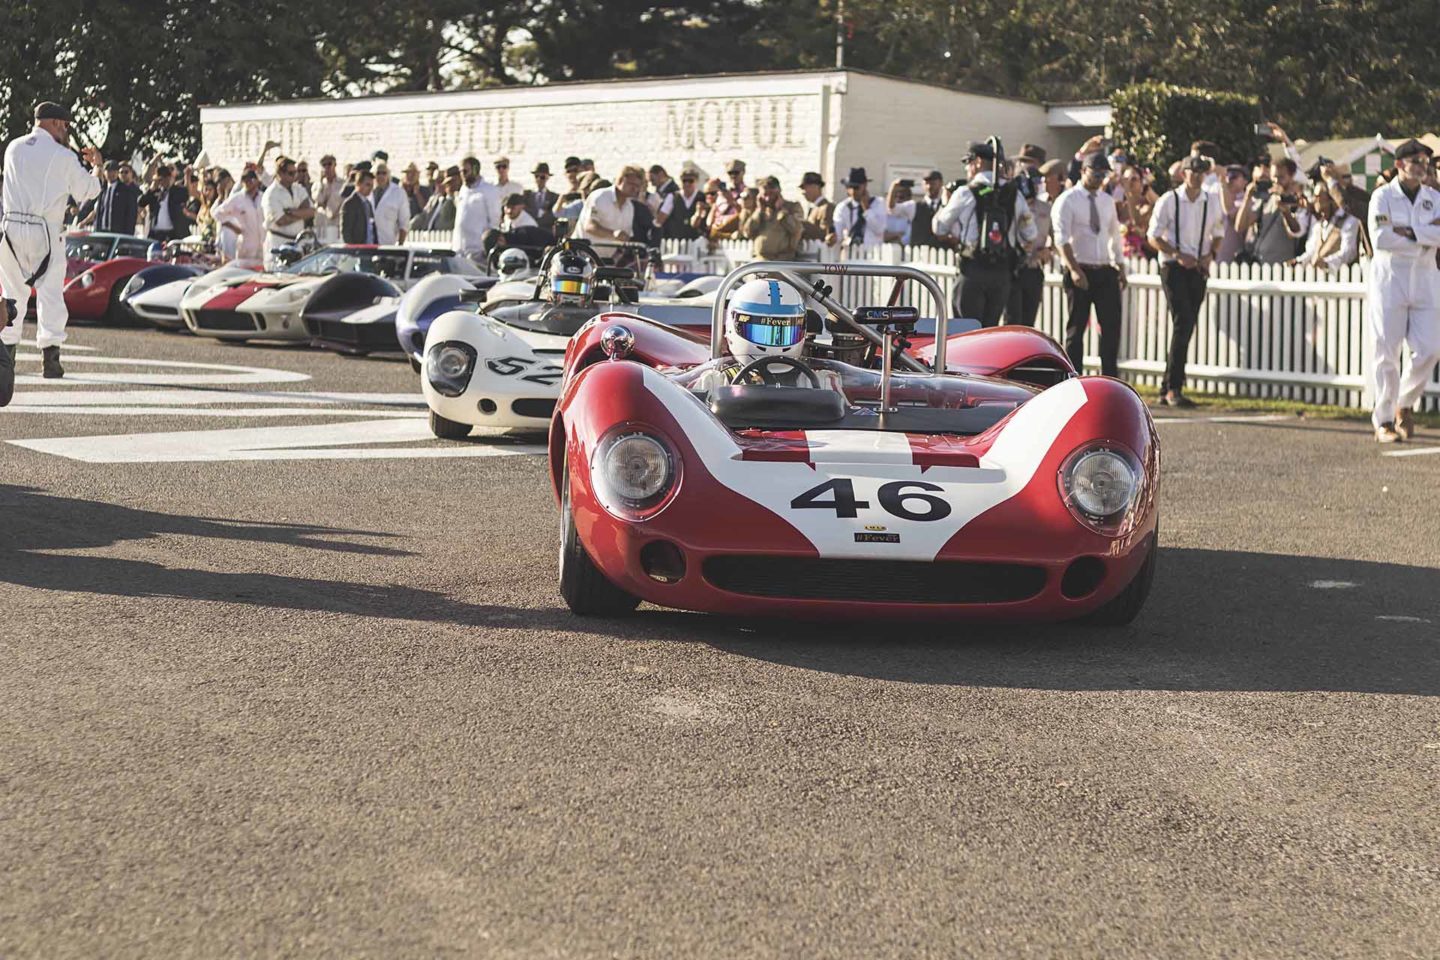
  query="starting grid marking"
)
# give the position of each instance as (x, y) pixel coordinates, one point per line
(371, 426)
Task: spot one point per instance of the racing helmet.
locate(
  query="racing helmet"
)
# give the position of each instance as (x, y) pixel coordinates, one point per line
(765, 318)
(512, 263)
(570, 278)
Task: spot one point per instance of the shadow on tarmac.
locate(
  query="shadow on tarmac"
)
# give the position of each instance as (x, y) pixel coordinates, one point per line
(35, 522)
(1216, 620)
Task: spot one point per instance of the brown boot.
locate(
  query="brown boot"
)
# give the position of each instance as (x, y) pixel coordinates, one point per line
(1385, 433)
(1405, 423)
(52, 369)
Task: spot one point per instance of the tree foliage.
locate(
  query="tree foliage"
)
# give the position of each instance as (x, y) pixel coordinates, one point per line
(137, 70)
(1156, 122)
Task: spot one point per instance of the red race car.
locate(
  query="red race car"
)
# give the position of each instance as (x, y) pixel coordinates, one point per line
(779, 471)
(97, 267)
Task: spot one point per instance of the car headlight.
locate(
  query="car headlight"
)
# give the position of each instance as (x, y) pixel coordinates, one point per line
(633, 472)
(134, 286)
(1101, 484)
(87, 280)
(449, 365)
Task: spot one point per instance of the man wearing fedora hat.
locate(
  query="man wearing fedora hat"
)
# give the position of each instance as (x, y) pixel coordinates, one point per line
(41, 176)
(540, 202)
(860, 218)
(819, 211)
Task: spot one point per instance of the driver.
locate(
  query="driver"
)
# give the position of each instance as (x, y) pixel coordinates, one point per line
(570, 279)
(765, 318)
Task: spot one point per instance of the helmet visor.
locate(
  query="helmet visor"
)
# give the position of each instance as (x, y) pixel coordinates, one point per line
(770, 331)
(572, 287)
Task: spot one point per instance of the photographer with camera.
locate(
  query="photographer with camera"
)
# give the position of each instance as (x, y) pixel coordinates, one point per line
(993, 228)
(775, 224)
(902, 211)
(1272, 216)
(1040, 186)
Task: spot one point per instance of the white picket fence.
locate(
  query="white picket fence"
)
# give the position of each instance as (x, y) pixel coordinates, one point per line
(1266, 331)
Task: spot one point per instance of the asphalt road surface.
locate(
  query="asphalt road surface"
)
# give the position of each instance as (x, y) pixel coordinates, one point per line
(284, 676)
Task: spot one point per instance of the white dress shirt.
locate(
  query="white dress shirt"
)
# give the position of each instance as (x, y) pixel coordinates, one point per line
(524, 220)
(876, 217)
(605, 214)
(392, 213)
(1071, 217)
(277, 201)
(1204, 212)
(1320, 231)
(498, 193)
(958, 218)
(472, 219)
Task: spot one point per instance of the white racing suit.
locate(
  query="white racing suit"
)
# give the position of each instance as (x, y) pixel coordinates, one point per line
(1403, 299)
(40, 178)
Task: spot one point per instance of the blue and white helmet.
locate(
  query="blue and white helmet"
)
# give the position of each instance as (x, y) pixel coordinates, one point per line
(765, 318)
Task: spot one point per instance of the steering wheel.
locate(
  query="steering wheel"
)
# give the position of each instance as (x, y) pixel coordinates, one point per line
(761, 367)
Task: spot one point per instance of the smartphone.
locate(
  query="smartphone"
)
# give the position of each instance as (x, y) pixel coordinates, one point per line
(1264, 184)
(1262, 129)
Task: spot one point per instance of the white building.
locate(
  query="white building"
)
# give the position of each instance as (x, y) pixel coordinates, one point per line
(782, 123)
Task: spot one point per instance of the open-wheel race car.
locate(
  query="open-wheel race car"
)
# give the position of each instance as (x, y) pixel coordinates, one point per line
(494, 360)
(776, 471)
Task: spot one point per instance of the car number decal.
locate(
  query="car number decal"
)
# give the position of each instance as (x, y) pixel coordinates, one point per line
(906, 499)
(545, 374)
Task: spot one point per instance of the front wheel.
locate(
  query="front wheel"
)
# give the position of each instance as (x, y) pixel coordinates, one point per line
(448, 429)
(1127, 604)
(584, 587)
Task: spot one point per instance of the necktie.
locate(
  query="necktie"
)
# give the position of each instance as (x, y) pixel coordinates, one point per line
(1094, 215)
(857, 232)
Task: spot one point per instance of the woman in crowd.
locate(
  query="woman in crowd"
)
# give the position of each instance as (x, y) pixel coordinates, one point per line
(1232, 194)
(1334, 238)
(1138, 202)
(205, 226)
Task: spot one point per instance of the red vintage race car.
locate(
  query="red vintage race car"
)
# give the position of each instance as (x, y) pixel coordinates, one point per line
(97, 268)
(837, 483)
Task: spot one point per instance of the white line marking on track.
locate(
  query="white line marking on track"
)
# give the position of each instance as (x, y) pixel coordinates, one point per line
(1332, 585)
(319, 442)
(1399, 619)
(175, 411)
(199, 398)
(1413, 452)
(230, 373)
(1232, 418)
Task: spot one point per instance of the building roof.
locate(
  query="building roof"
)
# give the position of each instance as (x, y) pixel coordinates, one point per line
(656, 79)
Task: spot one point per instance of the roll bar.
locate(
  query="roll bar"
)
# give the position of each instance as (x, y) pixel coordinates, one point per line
(793, 274)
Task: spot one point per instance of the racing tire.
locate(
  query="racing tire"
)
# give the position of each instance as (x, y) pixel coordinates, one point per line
(448, 429)
(116, 313)
(584, 587)
(414, 364)
(1126, 606)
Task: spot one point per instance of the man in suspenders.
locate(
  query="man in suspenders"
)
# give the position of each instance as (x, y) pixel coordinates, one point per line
(42, 174)
(1186, 227)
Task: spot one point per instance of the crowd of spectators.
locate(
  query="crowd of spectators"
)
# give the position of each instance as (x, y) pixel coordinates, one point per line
(1271, 210)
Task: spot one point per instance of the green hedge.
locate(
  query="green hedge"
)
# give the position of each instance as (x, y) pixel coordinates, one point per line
(1156, 123)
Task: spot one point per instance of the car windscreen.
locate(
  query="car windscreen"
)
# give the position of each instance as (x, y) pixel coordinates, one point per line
(382, 263)
(133, 248)
(88, 248)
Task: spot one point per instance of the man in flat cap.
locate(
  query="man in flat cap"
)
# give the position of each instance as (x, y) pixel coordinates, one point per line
(42, 174)
(1402, 302)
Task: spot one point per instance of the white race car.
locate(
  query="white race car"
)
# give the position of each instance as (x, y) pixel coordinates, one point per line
(496, 360)
(268, 306)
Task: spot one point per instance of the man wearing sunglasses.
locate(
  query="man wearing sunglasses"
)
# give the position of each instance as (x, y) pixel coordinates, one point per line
(1402, 302)
(41, 176)
(286, 206)
(677, 208)
(328, 198)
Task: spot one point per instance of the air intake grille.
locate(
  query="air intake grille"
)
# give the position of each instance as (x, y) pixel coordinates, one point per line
(878, 581)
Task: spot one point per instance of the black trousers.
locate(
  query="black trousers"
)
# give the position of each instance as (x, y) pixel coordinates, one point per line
(1025, 294)
(1185, 291)
(983, 292)
(1104, 295)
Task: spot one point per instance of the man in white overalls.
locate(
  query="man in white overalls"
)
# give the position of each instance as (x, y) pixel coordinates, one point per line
(42, 174)
(1403, 300)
